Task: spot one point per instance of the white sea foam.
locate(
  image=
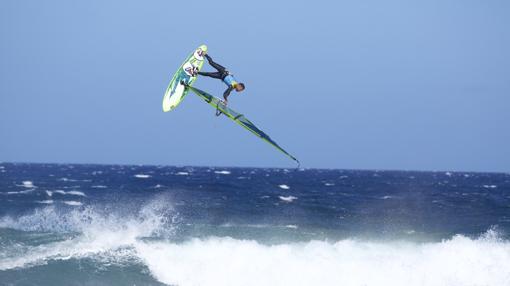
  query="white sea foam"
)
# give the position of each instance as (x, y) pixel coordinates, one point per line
(73, 203)
(459, 261)
(107, 238)
(27, 184)
(67, 180)
(285, 187)
(223, 172)
(76, 193)
(329, 184)
(99, 187)
(182, 173)
(20, 192)
(142, 176)
(62, 192)
(287, 199)
(73, 180)
(45, 202)
(72, 187)
(212, 261)
(490, 186)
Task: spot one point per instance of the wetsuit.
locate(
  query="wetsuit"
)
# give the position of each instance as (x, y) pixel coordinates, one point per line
(223, 74)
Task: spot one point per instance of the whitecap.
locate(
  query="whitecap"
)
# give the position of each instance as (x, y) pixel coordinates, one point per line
(283, 186)
(142, 176)
(224, 172)
(45, 202)
(329, 184)
(73, 203)
(182, 173)
(76, 193)
(27, 184)
(105, 238)
(20, 192)
(209, 261)
(67, 180)
(99, 187)
(288, 199)
(72, 187)
(490, 186)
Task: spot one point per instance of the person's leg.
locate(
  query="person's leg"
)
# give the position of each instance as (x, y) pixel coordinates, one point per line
(211, 74)
(217, 66)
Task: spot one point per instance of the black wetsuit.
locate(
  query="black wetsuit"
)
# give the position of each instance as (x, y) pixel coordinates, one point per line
(221, 73)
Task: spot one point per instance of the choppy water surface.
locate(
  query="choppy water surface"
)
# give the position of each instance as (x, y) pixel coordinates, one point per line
(158, 225)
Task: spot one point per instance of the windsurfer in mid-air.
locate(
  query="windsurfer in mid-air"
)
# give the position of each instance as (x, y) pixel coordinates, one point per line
(223, 74)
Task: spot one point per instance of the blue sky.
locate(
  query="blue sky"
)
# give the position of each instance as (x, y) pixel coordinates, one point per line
(413, 85)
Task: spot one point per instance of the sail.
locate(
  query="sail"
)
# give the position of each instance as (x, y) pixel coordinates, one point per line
(239, 119)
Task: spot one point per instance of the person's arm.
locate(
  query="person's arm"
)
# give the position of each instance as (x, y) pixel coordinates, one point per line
(227, 93)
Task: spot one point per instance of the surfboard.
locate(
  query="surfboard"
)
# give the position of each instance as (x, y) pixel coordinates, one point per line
(176, 91)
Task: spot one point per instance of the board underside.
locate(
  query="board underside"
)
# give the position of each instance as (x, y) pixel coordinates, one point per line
(176, 91)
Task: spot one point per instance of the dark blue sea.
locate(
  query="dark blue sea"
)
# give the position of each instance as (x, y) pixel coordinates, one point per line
(65, 224)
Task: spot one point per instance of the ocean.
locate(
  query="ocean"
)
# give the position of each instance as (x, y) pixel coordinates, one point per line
(70, 224)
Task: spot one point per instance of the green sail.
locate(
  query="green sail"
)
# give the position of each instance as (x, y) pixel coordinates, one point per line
(238, 118)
